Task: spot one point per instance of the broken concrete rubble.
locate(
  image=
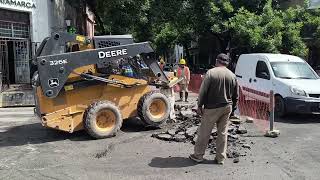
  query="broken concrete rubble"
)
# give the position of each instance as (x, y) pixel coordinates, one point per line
(193, 141)
(232, 137)
(172, 132)
(179, 138)
(232, 153)
(185, 130)
(246, 146)
(241, 130)
(249, 120)
(162, 136)
(236, 160)
(187, 114)
(191, 131)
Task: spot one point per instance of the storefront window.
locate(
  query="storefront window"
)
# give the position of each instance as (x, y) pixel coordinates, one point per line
(14, 30)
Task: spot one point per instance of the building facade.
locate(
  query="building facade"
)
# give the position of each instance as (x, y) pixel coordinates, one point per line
(23, 26)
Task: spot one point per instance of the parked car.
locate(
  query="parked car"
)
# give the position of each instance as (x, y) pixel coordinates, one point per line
(295, 84)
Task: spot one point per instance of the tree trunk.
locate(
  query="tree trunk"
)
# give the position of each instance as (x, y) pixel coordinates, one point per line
(91, 4)
(99, 21)
(188, 57)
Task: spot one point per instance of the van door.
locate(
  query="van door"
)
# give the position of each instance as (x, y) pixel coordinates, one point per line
(262, 82)
(245, 71)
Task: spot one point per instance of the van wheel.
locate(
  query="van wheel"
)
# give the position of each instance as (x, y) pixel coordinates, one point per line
(280, 106)
(154, 108)
(102, 119)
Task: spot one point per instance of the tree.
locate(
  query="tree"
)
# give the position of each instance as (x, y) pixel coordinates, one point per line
(259, 32)
(264, 28)
(249, 26)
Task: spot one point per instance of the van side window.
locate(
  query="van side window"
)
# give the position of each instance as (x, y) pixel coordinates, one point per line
(262, 70)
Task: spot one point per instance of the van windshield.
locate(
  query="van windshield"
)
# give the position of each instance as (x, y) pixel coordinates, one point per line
(293, 70)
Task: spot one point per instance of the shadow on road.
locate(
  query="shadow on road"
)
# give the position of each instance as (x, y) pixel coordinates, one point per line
(135, 125)
(171, 162)
(36, 134)
(299, 119)
(175, 162)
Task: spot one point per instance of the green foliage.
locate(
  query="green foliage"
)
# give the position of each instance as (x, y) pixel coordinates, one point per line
(166, 35)
(255, 25)
(273, 30)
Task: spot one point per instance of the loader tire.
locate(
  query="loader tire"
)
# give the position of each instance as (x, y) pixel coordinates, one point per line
(102, 119)
(154, 108)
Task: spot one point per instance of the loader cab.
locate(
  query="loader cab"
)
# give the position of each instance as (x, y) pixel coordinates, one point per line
(111, 40)
(65, 43)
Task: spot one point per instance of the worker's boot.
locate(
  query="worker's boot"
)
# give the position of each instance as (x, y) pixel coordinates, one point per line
(186, 96)
(233, 116)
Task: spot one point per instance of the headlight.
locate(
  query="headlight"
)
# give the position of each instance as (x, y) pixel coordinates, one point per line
(298, 91)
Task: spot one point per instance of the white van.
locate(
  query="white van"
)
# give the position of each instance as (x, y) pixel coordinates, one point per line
(295, 84)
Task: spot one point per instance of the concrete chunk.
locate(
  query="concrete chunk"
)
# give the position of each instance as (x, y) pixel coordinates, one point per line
(236, 160)
(241, 130)
(192, 131)
(232, 137)
(246, 146)
(165, 137)
(179, 138)
(187, 114)
(172, 132)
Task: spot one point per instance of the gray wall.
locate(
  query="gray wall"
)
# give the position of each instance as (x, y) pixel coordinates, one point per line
(57, 15)
(39, 21)
(39, 24)
(60, 10)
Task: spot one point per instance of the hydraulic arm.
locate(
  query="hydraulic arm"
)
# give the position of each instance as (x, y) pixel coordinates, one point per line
(55, 69)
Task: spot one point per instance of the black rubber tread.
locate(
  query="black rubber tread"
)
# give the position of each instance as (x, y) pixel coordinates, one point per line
(90, 118)
(143, 106)
(282, 113)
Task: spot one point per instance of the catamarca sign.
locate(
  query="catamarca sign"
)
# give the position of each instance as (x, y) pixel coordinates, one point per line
(19, 3)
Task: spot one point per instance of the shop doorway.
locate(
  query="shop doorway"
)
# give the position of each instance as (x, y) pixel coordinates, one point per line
(15, 62)
(14, 49)
(3, 71)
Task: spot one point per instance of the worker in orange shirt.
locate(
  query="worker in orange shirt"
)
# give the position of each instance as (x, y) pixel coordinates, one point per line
(183, 72)
(162, 63)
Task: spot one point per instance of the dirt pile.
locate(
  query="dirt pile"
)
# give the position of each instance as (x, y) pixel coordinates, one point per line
(185, 130)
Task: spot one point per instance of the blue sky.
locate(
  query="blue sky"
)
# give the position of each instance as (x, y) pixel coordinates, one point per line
(314, 3)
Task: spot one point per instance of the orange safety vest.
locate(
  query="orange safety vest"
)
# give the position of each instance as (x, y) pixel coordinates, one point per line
(161, 66)
(186, 72)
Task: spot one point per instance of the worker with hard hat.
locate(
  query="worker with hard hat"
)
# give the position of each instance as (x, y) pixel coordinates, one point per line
(183, 72)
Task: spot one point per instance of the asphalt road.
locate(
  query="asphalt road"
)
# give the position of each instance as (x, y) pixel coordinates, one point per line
(29, 151)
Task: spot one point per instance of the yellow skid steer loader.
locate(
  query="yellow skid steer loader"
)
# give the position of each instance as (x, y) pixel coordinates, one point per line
(83, 83)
